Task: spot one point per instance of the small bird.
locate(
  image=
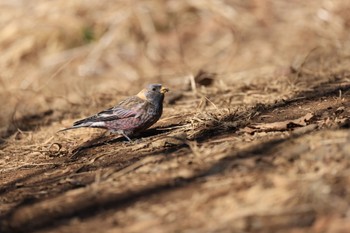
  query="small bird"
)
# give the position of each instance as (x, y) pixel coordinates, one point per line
(130, 116)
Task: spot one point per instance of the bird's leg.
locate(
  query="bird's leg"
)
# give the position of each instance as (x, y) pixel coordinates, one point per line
(126, 136)
(122, 133)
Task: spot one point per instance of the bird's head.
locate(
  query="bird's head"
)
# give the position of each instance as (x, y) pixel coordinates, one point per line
(153, 93)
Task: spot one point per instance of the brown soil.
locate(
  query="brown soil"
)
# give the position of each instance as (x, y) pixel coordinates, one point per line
(254, 136)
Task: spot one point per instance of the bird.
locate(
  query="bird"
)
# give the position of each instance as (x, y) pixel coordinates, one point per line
(131, 116)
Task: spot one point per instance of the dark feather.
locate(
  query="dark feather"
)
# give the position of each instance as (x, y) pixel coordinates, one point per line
(107, 115)
(127, 108)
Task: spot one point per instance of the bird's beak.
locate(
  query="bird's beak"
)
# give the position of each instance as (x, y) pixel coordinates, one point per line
(164, 90)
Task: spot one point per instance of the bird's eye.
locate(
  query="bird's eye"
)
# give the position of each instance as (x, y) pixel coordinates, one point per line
(153, 89)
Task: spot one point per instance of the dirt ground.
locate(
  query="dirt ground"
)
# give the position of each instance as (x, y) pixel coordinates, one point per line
(255, 131)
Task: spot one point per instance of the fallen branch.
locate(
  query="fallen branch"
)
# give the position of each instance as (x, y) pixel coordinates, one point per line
(280, 125)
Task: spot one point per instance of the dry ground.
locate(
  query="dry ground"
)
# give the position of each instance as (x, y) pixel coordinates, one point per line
(254, 136)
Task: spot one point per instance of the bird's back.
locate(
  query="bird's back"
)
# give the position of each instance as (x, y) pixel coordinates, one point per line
(147, 115)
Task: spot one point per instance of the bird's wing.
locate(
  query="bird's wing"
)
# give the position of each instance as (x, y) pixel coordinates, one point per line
(115, 113)
(127, 108)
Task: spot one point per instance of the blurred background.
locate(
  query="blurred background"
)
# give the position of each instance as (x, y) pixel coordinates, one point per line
(71, 56)
(232, 66)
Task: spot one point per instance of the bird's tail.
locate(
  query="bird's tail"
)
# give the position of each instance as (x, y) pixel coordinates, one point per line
(80, 124)
(73, 127)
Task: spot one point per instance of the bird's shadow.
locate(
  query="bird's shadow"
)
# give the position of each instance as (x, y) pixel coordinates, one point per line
(108, 138)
